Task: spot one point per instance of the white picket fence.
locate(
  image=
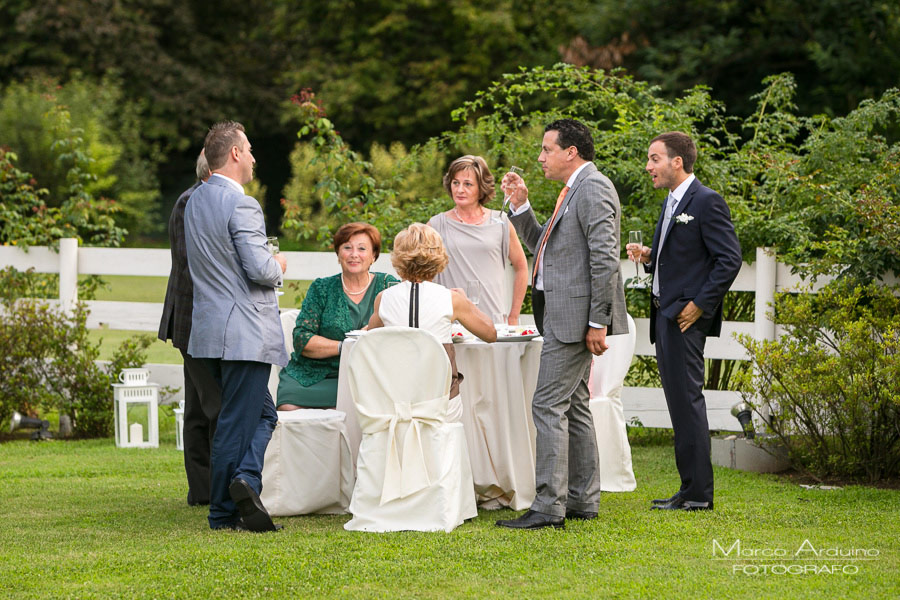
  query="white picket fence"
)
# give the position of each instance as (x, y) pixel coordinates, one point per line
(764, 277)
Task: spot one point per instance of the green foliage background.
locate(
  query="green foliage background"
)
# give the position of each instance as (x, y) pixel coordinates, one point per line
(393, 72)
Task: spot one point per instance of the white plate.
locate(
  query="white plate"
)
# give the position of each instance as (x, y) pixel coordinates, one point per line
(517, 338)
(355, 333)
(459, 339)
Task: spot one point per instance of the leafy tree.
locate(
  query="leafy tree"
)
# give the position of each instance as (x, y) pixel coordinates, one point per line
(840, 51)
(35, 115)
(394, 71)
(187, 63)
(27, 220)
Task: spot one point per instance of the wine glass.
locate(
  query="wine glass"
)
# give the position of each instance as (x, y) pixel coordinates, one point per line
(636, 237)
(473, 291)
(510, 189)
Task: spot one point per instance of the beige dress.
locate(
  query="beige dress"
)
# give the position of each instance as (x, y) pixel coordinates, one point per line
(477, 252)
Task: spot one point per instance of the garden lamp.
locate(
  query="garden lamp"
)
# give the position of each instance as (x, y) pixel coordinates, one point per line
(741, 411)
(20, 422)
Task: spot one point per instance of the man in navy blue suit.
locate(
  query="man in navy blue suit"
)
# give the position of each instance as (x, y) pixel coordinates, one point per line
(694, 259)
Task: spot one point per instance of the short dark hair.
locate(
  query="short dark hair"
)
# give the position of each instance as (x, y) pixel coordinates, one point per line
(482, 176)
(222, 137)
(679, 144)
(343, 235)
(573, 133)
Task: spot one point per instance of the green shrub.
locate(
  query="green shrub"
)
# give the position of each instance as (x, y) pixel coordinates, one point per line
(831, 380)
(48, 363)
(26, 218)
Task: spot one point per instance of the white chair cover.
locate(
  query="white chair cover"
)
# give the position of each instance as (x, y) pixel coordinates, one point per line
(607, 378)
(288, 319)
(308, 467)
(413, 470)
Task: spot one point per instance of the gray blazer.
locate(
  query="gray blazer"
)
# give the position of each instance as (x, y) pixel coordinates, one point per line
(581, 276)
(235, 314)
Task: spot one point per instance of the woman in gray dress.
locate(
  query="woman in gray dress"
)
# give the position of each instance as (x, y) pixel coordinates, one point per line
(479, 241)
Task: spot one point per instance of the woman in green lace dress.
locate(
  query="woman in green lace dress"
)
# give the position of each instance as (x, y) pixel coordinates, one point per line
(332, 307)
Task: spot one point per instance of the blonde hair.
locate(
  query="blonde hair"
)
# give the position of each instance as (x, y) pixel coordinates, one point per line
(482, 173)
(418, 253)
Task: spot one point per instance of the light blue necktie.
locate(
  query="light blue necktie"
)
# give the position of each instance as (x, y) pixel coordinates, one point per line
(671, 203)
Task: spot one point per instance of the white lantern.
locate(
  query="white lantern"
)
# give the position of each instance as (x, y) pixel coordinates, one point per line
(179, 426)
(136, 410)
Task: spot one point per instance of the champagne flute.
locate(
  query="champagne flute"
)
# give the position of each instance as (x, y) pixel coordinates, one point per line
(636, 237)
(272, 244)
(510, 189)
(473, 291)
(274, 248)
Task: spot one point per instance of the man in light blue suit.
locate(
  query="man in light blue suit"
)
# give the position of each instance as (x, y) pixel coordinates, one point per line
(236, 328)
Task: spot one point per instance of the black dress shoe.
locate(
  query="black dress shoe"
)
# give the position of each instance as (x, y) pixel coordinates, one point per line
(242, 527)
(534, 520)
(686, 505)
(674, 497)
(254, 515)
(580, 515)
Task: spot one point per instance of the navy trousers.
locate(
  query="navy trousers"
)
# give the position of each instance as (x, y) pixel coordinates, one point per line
(679, 357)
(246, 421)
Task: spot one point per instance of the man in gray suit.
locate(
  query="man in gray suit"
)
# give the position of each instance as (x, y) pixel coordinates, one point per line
(236, 329)
(578, 300)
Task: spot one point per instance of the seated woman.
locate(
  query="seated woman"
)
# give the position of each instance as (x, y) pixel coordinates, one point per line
(332, 307)
(418, 256)
(479, 242)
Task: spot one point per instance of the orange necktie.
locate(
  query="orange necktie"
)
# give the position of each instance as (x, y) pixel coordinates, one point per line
(540, 252)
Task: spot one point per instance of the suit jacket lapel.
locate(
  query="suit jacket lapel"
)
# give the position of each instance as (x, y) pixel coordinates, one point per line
(682, 206)
(590, 168)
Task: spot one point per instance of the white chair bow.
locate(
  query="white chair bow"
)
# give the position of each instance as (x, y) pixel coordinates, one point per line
(406, 467)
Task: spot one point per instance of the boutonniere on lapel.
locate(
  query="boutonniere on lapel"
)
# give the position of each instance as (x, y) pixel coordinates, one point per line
(684, 218)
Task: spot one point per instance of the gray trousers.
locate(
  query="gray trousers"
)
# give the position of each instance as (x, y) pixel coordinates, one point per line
(567, 464)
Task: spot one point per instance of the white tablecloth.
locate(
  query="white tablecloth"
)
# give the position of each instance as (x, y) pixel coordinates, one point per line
(496, 392)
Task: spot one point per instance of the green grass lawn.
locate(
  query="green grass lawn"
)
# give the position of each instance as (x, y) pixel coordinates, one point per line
(157, 352)
(87, 520)
(130, 288)
(127, 288)
(153, 289)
